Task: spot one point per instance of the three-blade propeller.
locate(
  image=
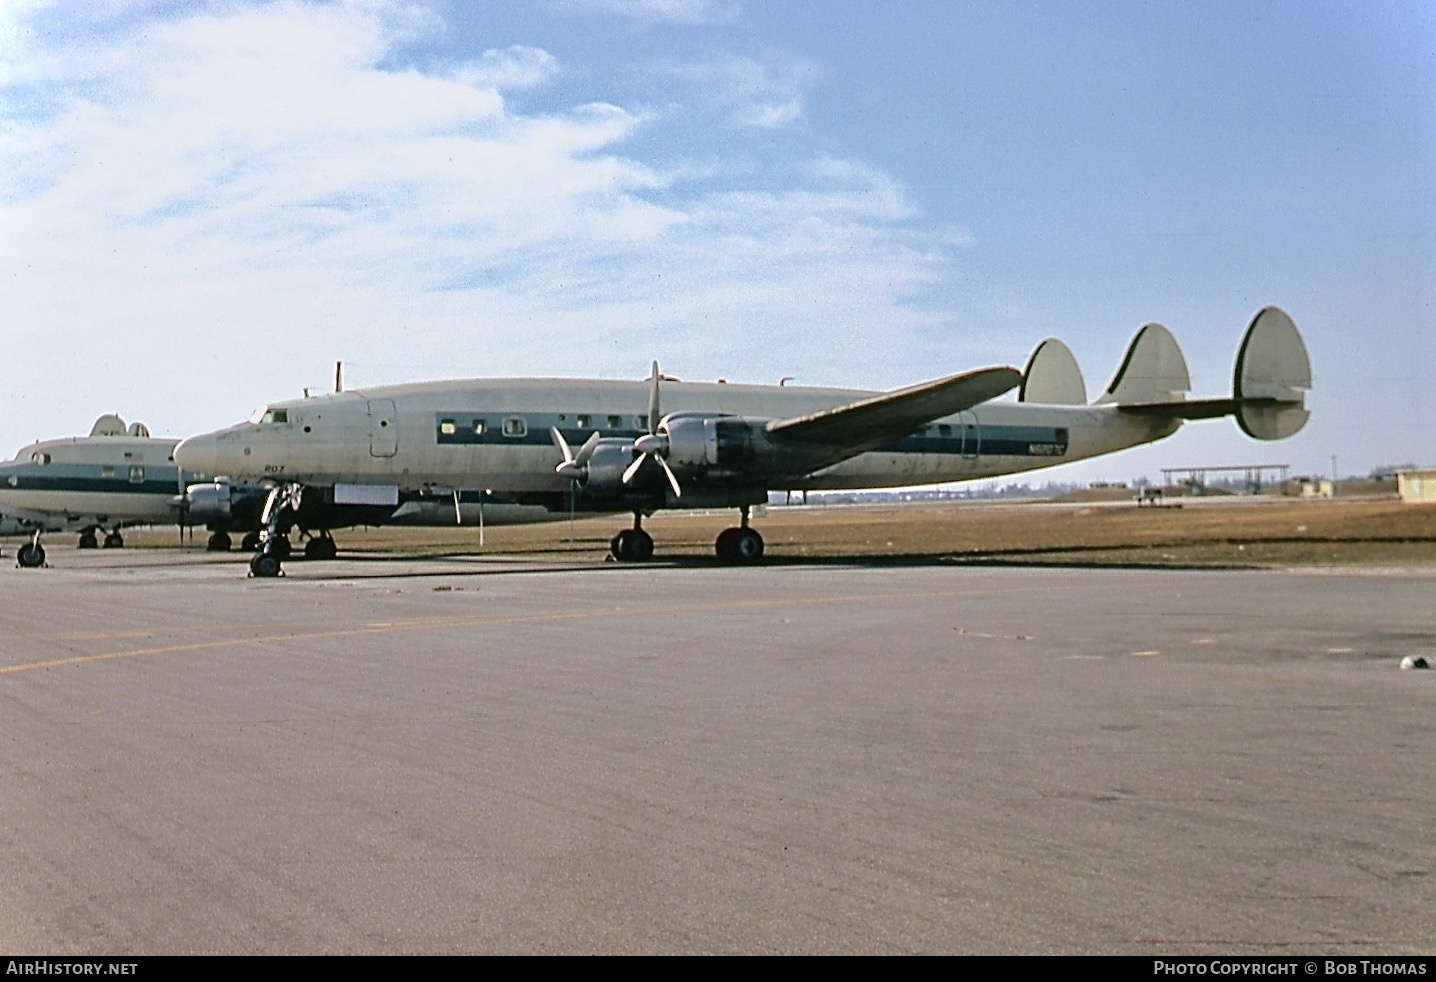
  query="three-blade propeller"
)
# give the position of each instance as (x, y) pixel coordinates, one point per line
(574, 466)
(655, 445)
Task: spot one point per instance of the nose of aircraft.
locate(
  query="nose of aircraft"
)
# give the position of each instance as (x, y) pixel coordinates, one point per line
(198, 454)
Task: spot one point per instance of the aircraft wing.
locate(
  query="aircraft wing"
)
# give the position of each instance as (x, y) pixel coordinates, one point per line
(846, 431)
(47, 519)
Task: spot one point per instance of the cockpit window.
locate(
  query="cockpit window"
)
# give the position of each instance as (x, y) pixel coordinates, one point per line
(40, 458)
(266, 415)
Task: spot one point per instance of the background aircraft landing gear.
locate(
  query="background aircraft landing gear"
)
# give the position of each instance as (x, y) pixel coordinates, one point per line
(321, 547)
(741, 544)
(218, 542)
(632, 545)
(114, 540)
(250, 542)
(88, 540)
(31, 555)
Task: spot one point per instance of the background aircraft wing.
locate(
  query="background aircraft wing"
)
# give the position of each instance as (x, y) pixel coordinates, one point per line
(47, 519)
(846, 431)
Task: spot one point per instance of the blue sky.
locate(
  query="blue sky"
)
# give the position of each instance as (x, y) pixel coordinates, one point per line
(204, 206)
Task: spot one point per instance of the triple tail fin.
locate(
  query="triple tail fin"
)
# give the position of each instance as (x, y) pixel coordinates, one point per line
(1268, 397)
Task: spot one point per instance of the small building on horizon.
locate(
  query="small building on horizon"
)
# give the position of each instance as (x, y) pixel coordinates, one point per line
(1417, 484)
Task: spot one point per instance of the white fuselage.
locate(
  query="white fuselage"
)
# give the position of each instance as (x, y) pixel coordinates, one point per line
(495, 434)
(84, 481)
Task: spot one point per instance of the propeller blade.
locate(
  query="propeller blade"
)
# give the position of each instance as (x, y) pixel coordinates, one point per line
(632, 468)
(672, 478)
(653, 414)
(562, 444)
(589, 446)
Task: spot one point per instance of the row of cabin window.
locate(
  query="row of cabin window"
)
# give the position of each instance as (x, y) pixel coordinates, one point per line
(516, 426)
(137, 474)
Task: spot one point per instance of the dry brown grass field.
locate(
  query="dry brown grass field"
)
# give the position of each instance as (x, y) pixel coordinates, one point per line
(1226, 532)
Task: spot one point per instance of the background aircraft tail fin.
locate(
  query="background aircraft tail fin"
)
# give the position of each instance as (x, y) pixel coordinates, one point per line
(1052, 377)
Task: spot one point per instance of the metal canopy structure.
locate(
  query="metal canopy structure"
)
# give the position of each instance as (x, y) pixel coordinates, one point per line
(1257, 476)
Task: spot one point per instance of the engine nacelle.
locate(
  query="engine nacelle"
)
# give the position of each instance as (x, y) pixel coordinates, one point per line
(721, 444)
(604, 472)
(209, 502)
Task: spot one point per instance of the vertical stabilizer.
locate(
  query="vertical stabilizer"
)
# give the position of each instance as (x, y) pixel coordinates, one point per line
(1153, 370)
(108, 425)
(1052, 377)
(1272, 364)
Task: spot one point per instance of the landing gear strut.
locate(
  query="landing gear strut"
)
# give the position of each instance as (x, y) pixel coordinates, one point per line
(632, 545)
(278, 519)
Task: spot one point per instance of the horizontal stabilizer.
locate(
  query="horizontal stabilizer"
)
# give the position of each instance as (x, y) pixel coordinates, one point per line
(1152, 371)
(861, 426)
(1268, 385)
(1052, 377)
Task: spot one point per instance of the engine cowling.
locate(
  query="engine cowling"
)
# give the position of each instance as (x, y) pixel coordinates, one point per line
(604, 471)
(208, 502)
(715, 445)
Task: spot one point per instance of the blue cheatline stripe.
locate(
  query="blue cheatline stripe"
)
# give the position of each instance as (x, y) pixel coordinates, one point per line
(457, 429)
(89, 478)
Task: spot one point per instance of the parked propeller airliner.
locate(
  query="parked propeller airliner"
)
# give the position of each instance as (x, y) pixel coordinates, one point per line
(120, 476)
(670, 444)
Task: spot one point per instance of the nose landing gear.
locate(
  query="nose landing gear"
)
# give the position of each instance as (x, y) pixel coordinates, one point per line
(31, 555)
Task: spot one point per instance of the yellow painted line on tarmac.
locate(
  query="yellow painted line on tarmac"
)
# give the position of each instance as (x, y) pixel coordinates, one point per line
(1145, 654)
(445, 623)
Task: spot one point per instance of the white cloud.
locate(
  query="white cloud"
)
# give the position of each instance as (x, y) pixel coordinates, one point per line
(515, 67)
(203, 211)
(665, 11)
(752, 94)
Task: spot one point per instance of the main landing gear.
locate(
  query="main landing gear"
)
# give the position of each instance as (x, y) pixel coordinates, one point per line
(740, 545)
(219, 542)
(89, 538)
(321, 546)
(632, 545)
